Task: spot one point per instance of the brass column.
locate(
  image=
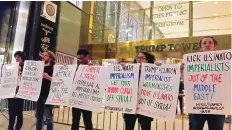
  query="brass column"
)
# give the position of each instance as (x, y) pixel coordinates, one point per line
(190, 18)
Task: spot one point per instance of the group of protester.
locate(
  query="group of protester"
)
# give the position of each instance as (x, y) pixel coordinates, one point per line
(196, 121)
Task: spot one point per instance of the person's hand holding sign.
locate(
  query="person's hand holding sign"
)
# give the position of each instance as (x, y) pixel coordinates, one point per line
(46, 76)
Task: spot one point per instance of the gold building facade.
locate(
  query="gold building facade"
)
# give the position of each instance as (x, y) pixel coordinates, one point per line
(166, 29)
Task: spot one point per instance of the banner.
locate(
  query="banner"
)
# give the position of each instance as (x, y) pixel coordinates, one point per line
(61, 84)
(31, 80)
(158, 91)
(207, 78)
(88, 87)
(9, 80)
(122, 88)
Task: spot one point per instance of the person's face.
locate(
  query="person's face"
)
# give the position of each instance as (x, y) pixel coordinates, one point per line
(141, 58)
(82, 59)
(46, 57)
(207, 44)
(18, 59)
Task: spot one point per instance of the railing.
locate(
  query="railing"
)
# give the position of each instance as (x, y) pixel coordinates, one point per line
(106, 120)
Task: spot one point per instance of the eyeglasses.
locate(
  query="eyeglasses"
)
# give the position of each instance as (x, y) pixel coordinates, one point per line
(142, 58)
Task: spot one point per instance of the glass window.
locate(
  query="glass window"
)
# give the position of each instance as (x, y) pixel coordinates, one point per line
(69, 29)
(171, 19)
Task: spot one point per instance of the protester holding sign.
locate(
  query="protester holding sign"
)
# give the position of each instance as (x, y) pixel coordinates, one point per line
(197, 121)
(15, 105)
(83, 58)
(42, 109)
(130, 119)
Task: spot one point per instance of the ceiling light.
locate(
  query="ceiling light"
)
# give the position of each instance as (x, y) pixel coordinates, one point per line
(215, 14)
(215, 3)
(150, 27)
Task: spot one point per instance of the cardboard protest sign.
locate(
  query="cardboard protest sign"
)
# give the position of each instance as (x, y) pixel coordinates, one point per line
(9, 80)
(207, 77)
(88, 87)
(31, 81)
(61, 84)
(122, 88)
(158, 91)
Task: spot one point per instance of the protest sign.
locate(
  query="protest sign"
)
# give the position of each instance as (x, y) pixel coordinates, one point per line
(207, 77)
(158, 91)
(61, 84)
(88, 87)
(9, 80)
(31, 80)
(122, 88)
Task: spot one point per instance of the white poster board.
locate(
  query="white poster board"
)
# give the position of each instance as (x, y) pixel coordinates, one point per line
(207, 77)
(158, 91)
(31, 81)
(9, 80)
(122, 88)
(61, 84)
(88, 87)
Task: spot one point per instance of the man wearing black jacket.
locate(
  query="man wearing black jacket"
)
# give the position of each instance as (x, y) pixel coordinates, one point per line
(15, 105)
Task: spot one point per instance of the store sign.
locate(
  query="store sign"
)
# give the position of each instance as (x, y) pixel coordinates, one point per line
(169, 47)
(171, 15)
(78, 4)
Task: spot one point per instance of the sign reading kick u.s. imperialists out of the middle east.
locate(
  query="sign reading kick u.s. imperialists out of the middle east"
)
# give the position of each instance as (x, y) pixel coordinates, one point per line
(88, 87)
(207, 78)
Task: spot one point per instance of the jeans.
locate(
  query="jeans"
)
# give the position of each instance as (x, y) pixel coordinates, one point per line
(197, 121)
(87, 117)
(15, 106)
(43, 110)
(144, 121)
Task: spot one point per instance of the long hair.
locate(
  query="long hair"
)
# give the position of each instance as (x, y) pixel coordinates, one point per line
(149, 57)
(52, 56)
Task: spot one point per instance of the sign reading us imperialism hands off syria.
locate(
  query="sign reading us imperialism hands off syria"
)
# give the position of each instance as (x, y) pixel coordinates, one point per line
(122, 88)
(158, 91)
(61, 84)
(88, 87)
(208, 82)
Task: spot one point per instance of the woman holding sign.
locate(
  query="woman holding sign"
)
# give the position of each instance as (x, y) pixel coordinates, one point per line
(197, 121)
(130, 119)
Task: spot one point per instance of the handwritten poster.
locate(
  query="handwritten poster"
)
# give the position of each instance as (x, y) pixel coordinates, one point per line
(158, 91)
(207, 77)
(9, 80)
(122, 88)
(31, 80)
(61, 84)
(88, 87)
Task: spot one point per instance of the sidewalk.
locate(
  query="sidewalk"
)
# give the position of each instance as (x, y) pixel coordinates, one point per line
(29, 123)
